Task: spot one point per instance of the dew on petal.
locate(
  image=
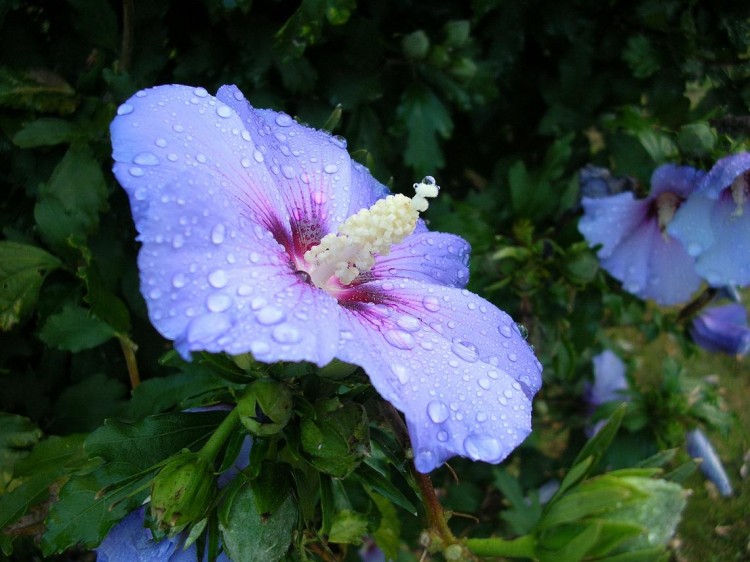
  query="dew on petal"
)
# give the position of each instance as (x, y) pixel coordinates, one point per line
(431, 303)
(330, 168)
(136, 172)
(482, 447)
(408, 323)
(224, 111)
(401, 372)
(218, 278)
(286, 334)
(259, 348)
(270, 315)
(465, 350)
(125, 109)
(218, 302)
(146, 159)
(399, 339)
(179, 280)
(438, 411)
(505, 331)
(283, 120)
(218, 233)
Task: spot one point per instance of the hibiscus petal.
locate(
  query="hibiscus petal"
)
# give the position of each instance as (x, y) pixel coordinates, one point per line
(610, 220)
(691, 224)
(130, 540)
(429, 256)
(609, 380)
(317, 179)
(727, 261)
(215, 281)
(680, 180)
(672, 278)
(165, 132)
(454, 364)
(723, 174)
(722, 328)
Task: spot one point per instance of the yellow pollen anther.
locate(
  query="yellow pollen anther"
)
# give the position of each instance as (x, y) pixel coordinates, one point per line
(351, 251)
(666, 206)
(740, 190)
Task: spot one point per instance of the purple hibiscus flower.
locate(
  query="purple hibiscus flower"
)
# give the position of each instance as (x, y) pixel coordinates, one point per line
(610, 384)
(699, 446)
(714, 223)
(636, 248)
(260, 235)
(722, 328)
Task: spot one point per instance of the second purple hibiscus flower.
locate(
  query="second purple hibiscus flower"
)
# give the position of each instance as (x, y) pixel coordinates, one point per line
(260, 235)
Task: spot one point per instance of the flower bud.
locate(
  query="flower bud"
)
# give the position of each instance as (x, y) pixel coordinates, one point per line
(415, 45)
(266, 407)
(182, 492)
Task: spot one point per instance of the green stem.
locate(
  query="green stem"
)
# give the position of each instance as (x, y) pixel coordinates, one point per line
(522, 547)
(128, 350)
(211, 449)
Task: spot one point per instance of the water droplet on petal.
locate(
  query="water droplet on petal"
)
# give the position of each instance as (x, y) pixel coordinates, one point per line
(179, 281)
(442, 436)
(330, 168)
(218, 233)
(258, 155)
(424, 460)
(224, 111)
(259, 348)
(482, 447)
(431, 303)
(218, 302)
(409, 323)
(484, 383)
(481, 417)
(288, 172)
(283, 120)
(257, 303)
(270, 315)
(428, 180)
(401, 372)
(508, 393)
(465, 350)
(513, 357)
(207, 327)
(286, 334)
(437, 411)
(178, 241)
(200, 92)
(161, 143)
(399, 339)
(125, 109)
(505, 331)
(217, 278)
(135, 171)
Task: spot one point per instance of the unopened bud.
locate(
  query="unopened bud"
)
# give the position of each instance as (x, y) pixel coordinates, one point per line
(266, 407)
(182, 492)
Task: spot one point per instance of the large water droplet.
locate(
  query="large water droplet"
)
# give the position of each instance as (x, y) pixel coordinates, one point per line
(270, 315)
(135, 171)
(286, 334)
(146, 159)
(437, 411)
(431, 303)
(218, 278)
(258, 155)
(465, 350)
(218, 302)
(283, 120)
(218, 233)
(125, 109)
(399, 339)
(484, 383)
(224, 111)
(257, 303)
(330, 168)
(482, 447)
(505, 331)
(401, 372)
(288, 172)
(409, 323)
(424, 460)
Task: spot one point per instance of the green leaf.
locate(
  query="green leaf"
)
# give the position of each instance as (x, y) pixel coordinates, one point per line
(388, 534)
(69, 205)
(84, 515)
(522, 516)
(102, 395)
(348, 527)
(641, 56)
(47, 131)
(425, 118)
(141, 445)
(75, 329)
(374, 480)
(248, 533)
(38, 90)
(22, 271)
(17, 436)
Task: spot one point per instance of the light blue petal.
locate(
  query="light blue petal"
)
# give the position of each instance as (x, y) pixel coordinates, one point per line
(609, 379)
(610, 220)
(454, 364)
(679, 180)
(691, 224)
(722, 328)
(699, 446)
(727, 261)
(428, 256)
(724, 172)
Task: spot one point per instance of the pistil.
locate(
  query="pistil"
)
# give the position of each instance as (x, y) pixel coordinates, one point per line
(351, 251)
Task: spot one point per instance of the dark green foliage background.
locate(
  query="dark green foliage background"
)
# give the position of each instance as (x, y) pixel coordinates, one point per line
(502, 101)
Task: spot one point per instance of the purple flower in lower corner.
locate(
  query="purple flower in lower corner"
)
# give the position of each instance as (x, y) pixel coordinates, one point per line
(261, 235)
(699, 446)
(610, 384)
(722, 328)
(636, 247)
(714, 223)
